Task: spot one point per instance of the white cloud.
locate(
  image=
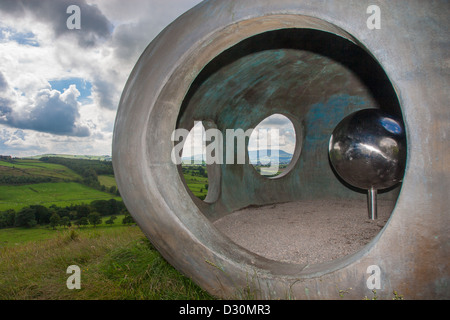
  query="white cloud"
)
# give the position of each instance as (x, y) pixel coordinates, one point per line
(36, 47)
(284, 129)
(50, 111)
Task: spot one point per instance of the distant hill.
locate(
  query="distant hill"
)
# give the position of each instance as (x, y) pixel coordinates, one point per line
(27, 171)
(70, 156)
(264, 157)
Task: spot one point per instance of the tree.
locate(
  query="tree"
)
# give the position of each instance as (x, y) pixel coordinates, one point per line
(83, 221)
(41, 213)
(202, 171)
(65, 221)
(100, 206)
(7, 218)
(113, 207)
(94, 218)
(63, 212)
(127, 218)
(83, 210)
(54, 220)
(112, 189)
(111, 220)
(25, 218)
(72, 215)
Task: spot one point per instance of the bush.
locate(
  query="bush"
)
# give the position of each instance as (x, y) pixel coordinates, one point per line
(54, 220)
(94, 219)
(83, 221)
(111, 220)
(25, 218)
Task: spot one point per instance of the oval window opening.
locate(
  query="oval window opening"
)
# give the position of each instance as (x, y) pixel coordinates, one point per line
(272, 145)
(194, 161)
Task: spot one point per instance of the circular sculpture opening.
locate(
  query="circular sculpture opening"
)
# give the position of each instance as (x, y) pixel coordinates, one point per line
(272, 145)
(307, 81)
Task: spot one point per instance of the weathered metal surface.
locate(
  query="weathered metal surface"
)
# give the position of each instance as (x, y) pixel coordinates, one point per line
(412, 251)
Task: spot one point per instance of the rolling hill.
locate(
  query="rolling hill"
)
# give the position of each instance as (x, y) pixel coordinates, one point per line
(70, 156)
(25, 182)
(264, 156)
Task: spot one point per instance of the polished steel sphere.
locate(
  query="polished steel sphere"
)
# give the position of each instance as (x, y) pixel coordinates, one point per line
(368, 149)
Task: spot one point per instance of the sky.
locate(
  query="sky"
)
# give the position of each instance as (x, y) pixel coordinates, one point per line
(60, 87)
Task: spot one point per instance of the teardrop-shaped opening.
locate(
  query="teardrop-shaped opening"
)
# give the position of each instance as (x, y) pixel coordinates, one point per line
(193, 163)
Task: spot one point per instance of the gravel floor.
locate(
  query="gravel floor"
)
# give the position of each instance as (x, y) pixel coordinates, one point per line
(305, 232)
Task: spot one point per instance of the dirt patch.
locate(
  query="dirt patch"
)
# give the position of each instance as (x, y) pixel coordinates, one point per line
(305, 232)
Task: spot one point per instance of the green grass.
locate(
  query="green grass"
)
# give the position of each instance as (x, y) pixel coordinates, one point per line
(60, 193)
(36, 168)
(119, 263)
(17, 236)
(271, 172)
(196, 184)
(107, 181)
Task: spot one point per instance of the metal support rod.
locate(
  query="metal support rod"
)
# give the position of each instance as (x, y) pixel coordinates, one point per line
(372, 196)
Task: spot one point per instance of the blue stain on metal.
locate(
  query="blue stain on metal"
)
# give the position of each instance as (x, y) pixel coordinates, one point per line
(322, 118)
(320, 121)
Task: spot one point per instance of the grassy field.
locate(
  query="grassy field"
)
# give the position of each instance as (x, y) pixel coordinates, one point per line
(270, 172)
(37, 168)
(17, 236)
(196, 183)
(46, 194)
(116, 262)
(107, 181)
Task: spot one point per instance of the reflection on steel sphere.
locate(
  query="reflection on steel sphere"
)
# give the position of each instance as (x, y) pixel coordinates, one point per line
(368, 150)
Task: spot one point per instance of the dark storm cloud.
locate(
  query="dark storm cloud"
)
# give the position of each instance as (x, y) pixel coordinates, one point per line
(128, 41)
(52, 112)
(94, 25)
(4, 102)
(105, 90)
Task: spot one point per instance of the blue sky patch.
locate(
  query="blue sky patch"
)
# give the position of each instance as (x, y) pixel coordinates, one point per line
(82, 85)
(23, 38)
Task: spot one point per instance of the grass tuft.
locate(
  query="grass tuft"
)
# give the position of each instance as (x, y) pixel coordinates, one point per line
(118, 264)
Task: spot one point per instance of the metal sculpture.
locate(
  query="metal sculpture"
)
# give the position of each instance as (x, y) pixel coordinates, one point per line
(412, 249)
(368, 150)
